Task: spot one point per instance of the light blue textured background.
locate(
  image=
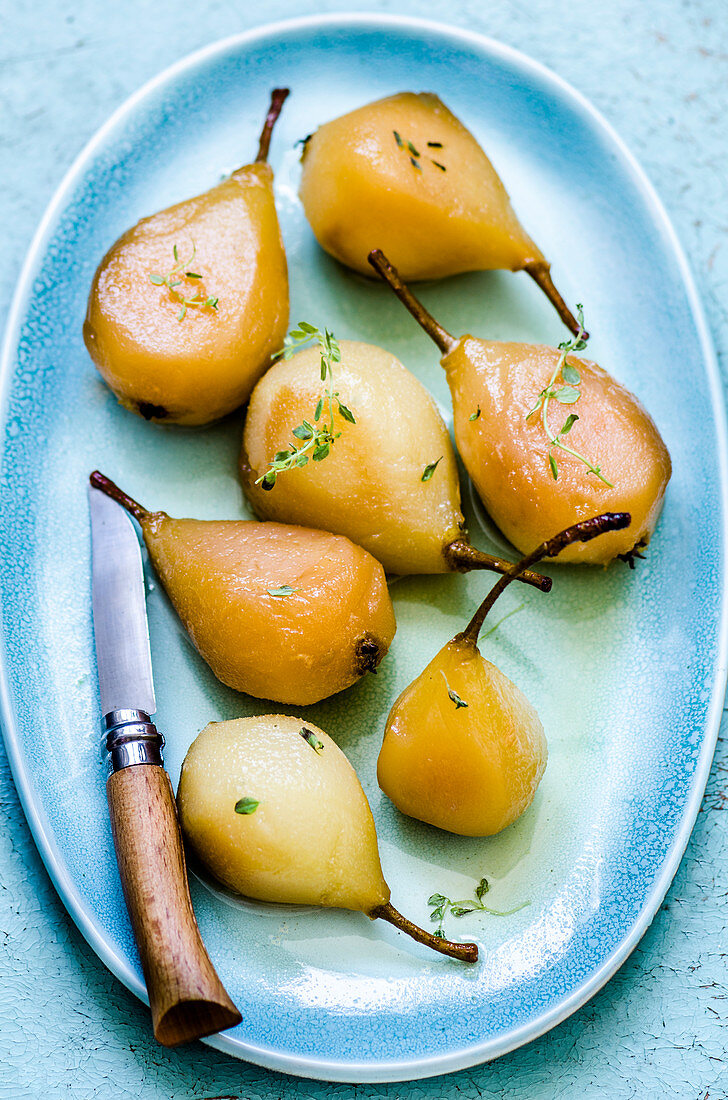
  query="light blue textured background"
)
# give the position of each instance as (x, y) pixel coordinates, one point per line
(658, 71)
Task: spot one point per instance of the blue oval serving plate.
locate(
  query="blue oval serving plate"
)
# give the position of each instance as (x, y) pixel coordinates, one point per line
(627, 669)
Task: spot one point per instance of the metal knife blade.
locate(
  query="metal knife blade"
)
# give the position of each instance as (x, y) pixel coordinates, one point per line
(119, 610)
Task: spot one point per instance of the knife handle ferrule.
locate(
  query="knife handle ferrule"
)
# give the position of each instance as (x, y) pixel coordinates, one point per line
(131, 738)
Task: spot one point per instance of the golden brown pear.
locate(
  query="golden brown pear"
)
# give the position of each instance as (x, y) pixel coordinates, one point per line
(274, 810)
(463, 748)
(390, 480)
(187, 307)
(403, 174)
(539, 464)
(279, 612)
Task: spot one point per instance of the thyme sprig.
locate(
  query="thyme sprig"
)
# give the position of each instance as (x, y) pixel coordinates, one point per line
(563, 386)
(441, 905)
(173, 279)
(316, 442)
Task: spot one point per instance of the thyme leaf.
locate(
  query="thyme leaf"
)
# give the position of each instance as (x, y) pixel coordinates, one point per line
(453, 695)
(284, 590)
(310, 737)
(315, 442)
(246, 805)
(430, 469)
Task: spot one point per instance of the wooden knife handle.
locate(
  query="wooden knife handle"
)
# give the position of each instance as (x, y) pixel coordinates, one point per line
(186, 997)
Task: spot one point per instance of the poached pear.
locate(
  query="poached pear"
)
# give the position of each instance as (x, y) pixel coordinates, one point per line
(548, 437)
(432, 199)
(463, 748)
(390, 480)
(187, 307)
(277, 611)
(274, 810)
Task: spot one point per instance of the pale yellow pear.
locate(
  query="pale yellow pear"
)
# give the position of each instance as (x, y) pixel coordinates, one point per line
(277, 611)
(390, 480)
(370, 486)
(403, 174)
(533, 479)
(222, 253)
(311, 839)
(274, 810)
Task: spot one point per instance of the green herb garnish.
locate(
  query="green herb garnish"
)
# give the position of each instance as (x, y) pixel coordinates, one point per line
(441, 906)
(453, 694)
(316, 442)
(312, 739)
(475, 415)
(566, 391)
(284, 590)
(246, 805)
(430, 469)
(415, 156)
(173, 279)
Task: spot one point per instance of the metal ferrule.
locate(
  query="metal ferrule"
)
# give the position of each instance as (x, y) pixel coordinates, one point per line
(131, 738)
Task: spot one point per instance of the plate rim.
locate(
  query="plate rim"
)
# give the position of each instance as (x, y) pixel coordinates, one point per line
(85, 919)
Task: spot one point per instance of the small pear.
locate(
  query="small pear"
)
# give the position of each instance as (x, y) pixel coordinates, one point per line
(187, 307)
(403, 174)
(463, 748)
(279, 612)
(274, 810)
(548, 437)
(390, 480)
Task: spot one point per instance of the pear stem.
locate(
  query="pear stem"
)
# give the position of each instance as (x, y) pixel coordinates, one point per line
(277, 99)
(465, 952)
(580, 532)
(540, 272)
(461, 557)
(106, 485)
(445, 342)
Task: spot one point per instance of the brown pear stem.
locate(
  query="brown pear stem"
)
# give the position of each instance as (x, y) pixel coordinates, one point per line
(461, 557)
(584, 531)
(465, 952)
(540, 272)
(445, 342)
(106, 485)
(277, 99)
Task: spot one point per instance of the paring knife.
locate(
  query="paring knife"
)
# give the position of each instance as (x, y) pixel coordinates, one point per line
(186, 997)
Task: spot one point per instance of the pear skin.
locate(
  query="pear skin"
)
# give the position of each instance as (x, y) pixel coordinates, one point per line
(433, 201)
(229, 582)
(275, 811)
(506, 454)
(195, 364)
(469, 769)
(496, 389)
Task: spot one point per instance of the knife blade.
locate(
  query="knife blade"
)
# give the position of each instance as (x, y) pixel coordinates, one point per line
(119, 610)
(186, 996)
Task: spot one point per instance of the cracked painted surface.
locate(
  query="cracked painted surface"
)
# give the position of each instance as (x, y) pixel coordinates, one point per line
(658, 1028)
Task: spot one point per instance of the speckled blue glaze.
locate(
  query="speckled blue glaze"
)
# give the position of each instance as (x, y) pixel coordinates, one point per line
(630, 682)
